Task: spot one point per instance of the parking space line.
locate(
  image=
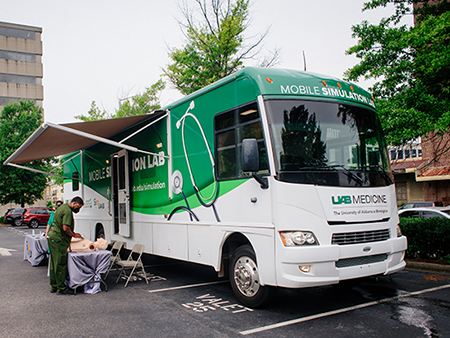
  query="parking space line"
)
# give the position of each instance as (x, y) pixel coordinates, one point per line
(347, 309)
(187, 286)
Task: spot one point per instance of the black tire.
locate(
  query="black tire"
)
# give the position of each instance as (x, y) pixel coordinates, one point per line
(33, 224)
(244, 278)
(17, 222)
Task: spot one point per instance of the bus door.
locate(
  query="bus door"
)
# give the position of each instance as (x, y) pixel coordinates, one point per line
(121, 195)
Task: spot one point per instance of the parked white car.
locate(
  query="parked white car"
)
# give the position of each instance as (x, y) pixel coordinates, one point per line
(410, 205)
(443, 212)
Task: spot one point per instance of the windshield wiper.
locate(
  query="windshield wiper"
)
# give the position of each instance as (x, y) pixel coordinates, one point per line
(334, 166)
(348, 172)
(386, 175)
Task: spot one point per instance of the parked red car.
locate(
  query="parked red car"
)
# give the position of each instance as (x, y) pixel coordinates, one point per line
(33, 217)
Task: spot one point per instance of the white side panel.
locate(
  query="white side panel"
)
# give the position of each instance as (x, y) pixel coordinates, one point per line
(94, 211)
(170, 240)
(246, 204)
(200, 244)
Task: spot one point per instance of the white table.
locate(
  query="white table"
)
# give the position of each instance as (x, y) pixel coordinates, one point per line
(35, 249)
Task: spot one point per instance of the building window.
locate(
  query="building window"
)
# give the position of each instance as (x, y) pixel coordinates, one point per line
(17, 33)
(17, 56)
(407, 153)
(19, 79)
(393, 154)
(400, 154)
(231, 128)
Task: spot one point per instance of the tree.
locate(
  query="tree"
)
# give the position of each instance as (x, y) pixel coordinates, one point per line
(94, 114)
(141, 104)
(138, 104)
(411, 66)
(17, 122)
(215, 47)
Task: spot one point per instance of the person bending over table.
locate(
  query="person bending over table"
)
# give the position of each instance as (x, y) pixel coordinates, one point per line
(59, 237)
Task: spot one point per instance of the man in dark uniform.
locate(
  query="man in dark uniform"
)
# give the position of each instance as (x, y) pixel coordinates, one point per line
(59, 238)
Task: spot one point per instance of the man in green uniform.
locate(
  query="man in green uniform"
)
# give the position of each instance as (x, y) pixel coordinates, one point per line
(59, 238)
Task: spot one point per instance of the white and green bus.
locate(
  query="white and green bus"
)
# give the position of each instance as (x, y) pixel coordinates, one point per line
(275, 177)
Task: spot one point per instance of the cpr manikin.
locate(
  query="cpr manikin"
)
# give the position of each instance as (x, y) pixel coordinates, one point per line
(85, 245)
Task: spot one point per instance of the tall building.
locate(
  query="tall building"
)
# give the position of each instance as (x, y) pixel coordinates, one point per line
(21, 69)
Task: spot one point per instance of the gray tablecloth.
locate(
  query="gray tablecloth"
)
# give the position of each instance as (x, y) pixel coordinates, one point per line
(87, 267)
(35, 249)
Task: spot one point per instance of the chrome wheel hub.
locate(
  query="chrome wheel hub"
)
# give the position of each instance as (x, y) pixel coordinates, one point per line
(246, 276)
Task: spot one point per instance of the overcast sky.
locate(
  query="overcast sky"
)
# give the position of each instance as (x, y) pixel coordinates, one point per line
(104, 50)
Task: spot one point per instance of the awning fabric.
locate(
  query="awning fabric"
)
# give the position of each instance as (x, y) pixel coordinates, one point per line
(51, 139)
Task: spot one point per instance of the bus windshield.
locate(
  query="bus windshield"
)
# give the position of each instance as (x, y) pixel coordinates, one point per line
(326, 143)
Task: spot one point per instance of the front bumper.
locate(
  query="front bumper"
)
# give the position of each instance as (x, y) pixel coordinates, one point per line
(333, 263)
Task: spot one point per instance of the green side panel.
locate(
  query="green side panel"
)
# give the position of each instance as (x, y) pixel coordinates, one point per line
(224, 188)
(149, 173)
(97, 172)
(196, 148)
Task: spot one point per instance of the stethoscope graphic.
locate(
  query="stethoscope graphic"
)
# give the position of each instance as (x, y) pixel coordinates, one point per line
(177, 177)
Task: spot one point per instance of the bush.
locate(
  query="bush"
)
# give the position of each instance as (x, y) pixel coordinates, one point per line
(428, 238)
(2, 219)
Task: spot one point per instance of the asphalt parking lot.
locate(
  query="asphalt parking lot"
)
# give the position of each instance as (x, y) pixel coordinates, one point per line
(188, 300)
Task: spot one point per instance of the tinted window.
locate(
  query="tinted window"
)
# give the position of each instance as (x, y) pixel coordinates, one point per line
(423, 204)
(324, 143)
(430, 214)
(231, 128)
(75, 181)
(410, 213)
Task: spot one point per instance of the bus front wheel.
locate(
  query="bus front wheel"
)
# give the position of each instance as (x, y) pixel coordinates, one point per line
(244, 278)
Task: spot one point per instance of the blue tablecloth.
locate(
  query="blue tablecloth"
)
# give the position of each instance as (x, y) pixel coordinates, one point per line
(86, 268)
(35, 249)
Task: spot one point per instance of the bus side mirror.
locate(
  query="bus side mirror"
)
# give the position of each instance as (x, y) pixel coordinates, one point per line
(250, 155)
(250, 161)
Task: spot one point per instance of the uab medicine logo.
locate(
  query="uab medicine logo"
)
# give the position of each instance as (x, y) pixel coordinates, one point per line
(359, 199)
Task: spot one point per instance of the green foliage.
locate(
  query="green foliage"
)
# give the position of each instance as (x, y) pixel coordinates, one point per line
(427, 237)
(94, 114)
(412, 66)
(58, 171)
(215, 45)
(17, 122)
(141, 104)
(49, 204)
(2, 219)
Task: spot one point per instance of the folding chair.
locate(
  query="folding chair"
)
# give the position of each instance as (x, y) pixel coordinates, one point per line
(115, 255)
(132, 264)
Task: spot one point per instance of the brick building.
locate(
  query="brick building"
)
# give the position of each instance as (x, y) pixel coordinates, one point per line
(425, 177)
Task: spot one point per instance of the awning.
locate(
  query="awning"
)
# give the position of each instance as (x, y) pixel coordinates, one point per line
(51, 139)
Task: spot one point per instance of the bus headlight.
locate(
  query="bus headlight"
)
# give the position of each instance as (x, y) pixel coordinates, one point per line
(298, 238)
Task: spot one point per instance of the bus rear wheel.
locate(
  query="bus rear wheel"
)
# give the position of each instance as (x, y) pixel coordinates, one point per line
(244, 278)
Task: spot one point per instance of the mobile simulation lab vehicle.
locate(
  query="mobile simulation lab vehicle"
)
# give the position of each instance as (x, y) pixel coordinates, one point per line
(276, 177)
